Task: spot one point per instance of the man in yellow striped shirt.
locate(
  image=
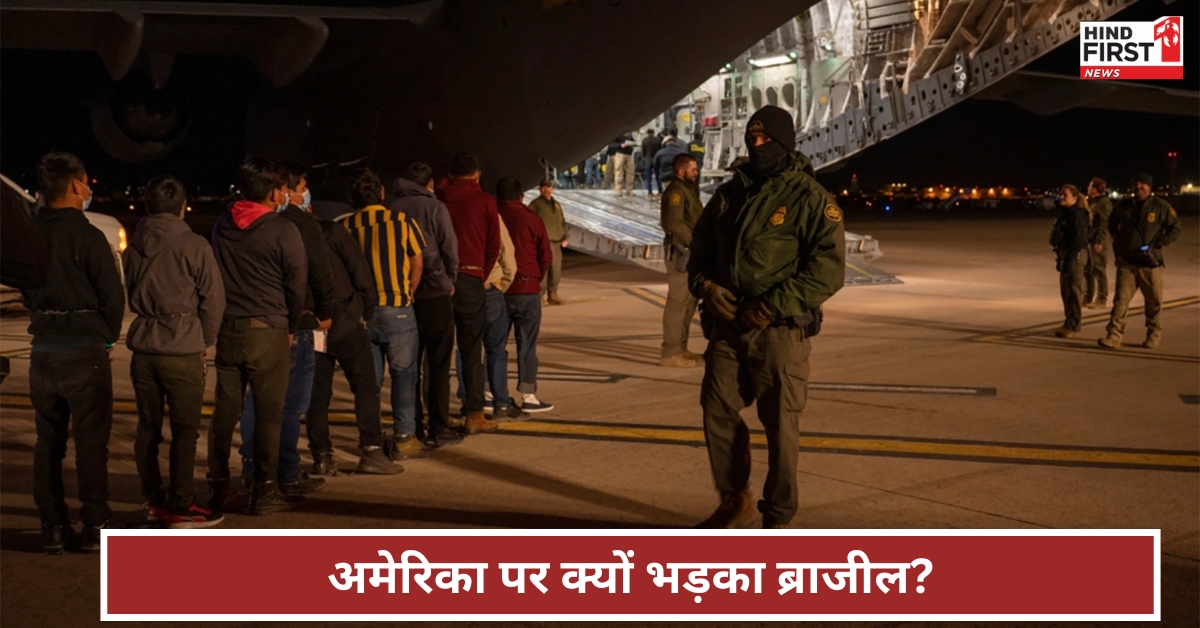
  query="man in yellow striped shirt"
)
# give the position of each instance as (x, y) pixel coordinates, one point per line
(392, 243)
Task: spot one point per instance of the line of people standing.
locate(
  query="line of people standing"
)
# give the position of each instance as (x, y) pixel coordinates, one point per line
(1135, 230)
(284, 298)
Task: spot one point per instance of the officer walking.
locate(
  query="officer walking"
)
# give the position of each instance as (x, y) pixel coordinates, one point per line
(1140, 225)
(1095, 274)
(767, 251)
(681, 208)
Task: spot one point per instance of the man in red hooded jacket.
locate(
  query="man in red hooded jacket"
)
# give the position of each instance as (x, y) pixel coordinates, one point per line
(523, 298)
(477, 226)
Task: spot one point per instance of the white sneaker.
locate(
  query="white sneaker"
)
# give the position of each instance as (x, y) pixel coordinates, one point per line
(488, 401)
(533, 405)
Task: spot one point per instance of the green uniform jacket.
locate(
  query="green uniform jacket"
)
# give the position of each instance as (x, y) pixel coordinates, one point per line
(552, 214)
(681, 209)
(781, 239)
(1134, 225)
(1101, 210)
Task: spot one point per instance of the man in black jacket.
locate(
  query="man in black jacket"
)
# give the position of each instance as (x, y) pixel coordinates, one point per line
(317, 315)
(650, 146)
(176, 291)
(265, 271)
(75, 318)
(346, 342)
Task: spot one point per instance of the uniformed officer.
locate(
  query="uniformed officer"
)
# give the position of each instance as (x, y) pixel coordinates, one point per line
(556, 228)
(767, 251)
(681, 208)
(1095, 274)
(1140, 225)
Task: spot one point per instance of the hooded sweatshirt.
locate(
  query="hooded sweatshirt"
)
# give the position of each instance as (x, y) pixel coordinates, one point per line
(263, 265)
(441, 245)
(476, 223)
(531, 247)
(82, 301)
(175, 289)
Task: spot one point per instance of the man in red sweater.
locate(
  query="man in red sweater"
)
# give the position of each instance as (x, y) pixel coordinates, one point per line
(523, 298)
(477, 227)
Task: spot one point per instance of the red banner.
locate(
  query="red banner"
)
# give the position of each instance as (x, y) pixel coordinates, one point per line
(1131, 72)
(549, 575)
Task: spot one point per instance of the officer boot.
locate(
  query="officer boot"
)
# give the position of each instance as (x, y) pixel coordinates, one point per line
(1152, 339)
(553, 298)
(737, 510)
(1111, 341)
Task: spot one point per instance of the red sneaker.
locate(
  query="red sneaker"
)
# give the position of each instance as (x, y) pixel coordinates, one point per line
(156, 514)
(193, 517)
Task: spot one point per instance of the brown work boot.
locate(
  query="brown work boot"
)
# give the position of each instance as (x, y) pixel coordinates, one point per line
(678, 361)
(1098, 304)
(735, 512)
(553, 298)
(693, 356)
(1152, 340)
(478, 424)
(1110, 342)
(1065, 332)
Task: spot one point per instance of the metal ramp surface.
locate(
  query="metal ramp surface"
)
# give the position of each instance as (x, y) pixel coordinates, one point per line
(627, 230)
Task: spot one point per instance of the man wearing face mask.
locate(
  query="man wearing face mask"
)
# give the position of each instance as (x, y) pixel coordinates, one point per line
(681, 208)
(265, 271)
(74, 318)
(317, 315)
(768, 250)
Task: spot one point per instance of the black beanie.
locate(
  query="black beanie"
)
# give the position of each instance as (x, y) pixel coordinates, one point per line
(1144, 177)
(776, 123)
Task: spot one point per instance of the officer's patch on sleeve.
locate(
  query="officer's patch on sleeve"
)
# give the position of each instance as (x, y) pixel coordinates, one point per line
(833, 213)
(674, 198)
(778, 217)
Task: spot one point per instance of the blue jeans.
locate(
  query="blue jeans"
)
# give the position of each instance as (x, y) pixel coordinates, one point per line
(592, 168)
(393, 333)
(299, 393)
(495, 349)
(650, 172)
(525, 312)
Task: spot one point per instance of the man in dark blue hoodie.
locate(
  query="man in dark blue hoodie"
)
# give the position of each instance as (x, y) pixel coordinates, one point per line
(176, 291)
(74, 318)
(265, 271)
(432, 301)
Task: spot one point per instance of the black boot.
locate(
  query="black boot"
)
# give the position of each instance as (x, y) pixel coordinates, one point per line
(324, 463)
(267, 498)
(302, 485)
(57, 538)
(90, 542)
(222, 496)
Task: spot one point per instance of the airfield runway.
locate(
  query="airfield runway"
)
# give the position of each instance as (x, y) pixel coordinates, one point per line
(941, 402)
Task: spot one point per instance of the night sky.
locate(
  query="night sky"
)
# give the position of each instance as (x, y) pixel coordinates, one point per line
(45, 99)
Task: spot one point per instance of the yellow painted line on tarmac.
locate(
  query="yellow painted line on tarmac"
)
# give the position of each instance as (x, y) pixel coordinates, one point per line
(998, 452)
(976, 451)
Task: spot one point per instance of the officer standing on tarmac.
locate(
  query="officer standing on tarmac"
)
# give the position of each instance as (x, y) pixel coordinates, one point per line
(1095, 274)
(681, 208)
(1140, 225)
(767, 251)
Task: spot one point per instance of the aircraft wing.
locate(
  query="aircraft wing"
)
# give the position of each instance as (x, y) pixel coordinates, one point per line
(120, 30)
(1047, 94)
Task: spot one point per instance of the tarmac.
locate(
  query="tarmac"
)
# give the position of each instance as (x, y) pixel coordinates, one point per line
(941, 402)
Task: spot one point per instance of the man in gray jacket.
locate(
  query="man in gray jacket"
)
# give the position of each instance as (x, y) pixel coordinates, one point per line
(432, 302)
(175, 288)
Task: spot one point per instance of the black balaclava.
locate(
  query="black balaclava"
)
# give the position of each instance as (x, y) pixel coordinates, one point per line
(770, 158)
